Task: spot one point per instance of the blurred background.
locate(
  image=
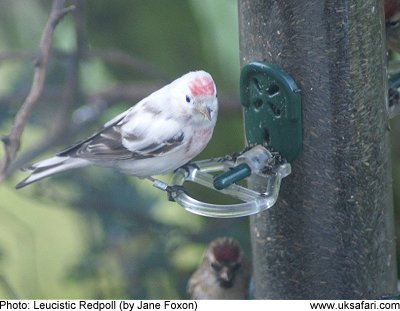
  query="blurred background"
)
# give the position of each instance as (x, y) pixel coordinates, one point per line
(95, 233)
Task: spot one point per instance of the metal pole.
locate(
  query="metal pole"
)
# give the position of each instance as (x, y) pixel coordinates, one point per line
(331, 234)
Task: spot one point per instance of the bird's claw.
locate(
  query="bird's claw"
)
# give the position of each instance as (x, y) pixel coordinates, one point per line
(173, 191)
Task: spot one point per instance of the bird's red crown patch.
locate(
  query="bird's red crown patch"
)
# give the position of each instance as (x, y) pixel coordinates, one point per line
(226, 253)
(390, 8)
(202, 86)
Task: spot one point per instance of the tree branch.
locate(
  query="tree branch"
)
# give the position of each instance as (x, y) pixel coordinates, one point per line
(112, 56)
(71, 89)
(12, 140)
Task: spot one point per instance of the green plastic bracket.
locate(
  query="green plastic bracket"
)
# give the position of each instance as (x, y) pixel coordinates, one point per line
(272, 109)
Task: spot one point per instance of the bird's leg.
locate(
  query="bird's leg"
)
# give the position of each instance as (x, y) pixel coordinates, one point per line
(151, 179)
(172, 191)
(187, 167)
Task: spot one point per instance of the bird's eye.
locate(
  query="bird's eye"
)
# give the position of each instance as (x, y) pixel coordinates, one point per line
(215, 266)
(188, 99)
(393, 23)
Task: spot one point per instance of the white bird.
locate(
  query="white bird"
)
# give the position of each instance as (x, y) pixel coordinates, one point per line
(159, 134)
(224, 273)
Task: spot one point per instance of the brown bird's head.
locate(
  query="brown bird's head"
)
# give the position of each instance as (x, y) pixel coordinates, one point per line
(225, 258)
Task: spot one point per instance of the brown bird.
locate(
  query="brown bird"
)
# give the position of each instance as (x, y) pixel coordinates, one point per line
(392, 19)
(223, 273)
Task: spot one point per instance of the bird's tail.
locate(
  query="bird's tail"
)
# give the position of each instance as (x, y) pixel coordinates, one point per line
(49, 167)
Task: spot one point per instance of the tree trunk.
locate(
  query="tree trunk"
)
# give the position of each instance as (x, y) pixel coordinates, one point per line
(330, 235)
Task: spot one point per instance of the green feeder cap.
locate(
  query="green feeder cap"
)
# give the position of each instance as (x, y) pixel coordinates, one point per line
(272, 109)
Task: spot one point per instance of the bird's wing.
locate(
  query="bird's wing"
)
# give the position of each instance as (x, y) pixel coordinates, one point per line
(134, 134)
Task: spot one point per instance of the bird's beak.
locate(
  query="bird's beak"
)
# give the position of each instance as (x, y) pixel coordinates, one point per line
(226, 278)
(206, 112)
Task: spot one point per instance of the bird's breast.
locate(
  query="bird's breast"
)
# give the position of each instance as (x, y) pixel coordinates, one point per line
(198, 141)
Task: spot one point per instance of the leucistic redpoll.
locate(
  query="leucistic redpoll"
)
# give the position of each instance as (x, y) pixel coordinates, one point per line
(223, 273)
(157, 135)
